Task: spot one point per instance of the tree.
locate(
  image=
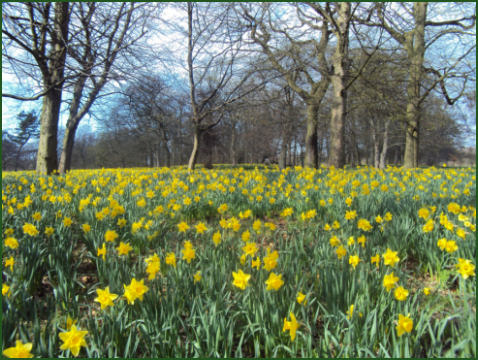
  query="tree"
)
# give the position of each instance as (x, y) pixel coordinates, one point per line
(212, 62)
(44, 36)
(28, 128)
(9, 151)
(302, 62)
(103, 34)
(153, 104)
(410, 25)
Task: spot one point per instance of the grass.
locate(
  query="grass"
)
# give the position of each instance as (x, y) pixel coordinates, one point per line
(57, 275)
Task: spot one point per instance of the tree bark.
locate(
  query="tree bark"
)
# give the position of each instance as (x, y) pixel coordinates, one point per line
(376, 146)
(47, 159)
(67, 151)
(338, 78)
(415, 47)
(383, 153)
(194, 152)
(232, 148)
(311, 151)
(283, 154)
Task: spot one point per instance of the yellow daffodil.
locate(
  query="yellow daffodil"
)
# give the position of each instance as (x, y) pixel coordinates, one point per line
(111, 235)
(189, 253)
(301, 298)
(274, 282)
(389, 281)
(405, 324)
(241, 279)
(170, 259)
(19, 351)
(135, 290)
(354, 260)
(400, 293)
(390, 258)
(124, 248)
(73, 340)
(105, 298)
(291, 325)
(465, 268)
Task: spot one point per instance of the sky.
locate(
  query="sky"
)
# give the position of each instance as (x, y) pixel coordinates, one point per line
(175, 42)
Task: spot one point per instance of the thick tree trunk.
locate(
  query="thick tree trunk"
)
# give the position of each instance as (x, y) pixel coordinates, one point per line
(194, 153)
(415, 47)
(283, 154)
(47, 158)
(311, 153)
(338, 79)
(67, 151)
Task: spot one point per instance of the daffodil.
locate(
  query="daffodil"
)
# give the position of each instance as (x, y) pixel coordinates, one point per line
(11, 242)
(241, 279)
(183, 227)
(197, 276)
(105, 298)
(30, 229)
(200, 228)
(301, 298)
(291, 325)
(401, 293)
(73, 340)
(375, 260)
(404, 324)
(153, 266)
(216, 238)
(354, 260)
(19, 351)
(389, 281)
(390, 257)
(465, 268)
(270, 260)
(111, 235)
(341, 252)
(135, 290)
(189, 253)
(364, 225)
(170, 259)
(10, 262)
(124, 248)
(250, 249)
(274, 282)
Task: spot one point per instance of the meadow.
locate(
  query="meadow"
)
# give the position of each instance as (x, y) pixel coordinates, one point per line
(240, 262)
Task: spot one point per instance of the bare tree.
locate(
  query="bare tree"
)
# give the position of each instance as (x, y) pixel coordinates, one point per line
(410, 25)
(104, 33)
(301, 61)
(213, 60)
(40, 30)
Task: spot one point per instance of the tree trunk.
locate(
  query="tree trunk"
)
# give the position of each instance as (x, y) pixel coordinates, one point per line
(338, 79)
(311, 153)
(376, 146)
(283, 154)
(67, 151)
(232, 148)
(415, 47)
(47, 158)
(194, 153)
(383, 154)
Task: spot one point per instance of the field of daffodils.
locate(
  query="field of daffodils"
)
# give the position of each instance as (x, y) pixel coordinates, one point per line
(245, 261)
